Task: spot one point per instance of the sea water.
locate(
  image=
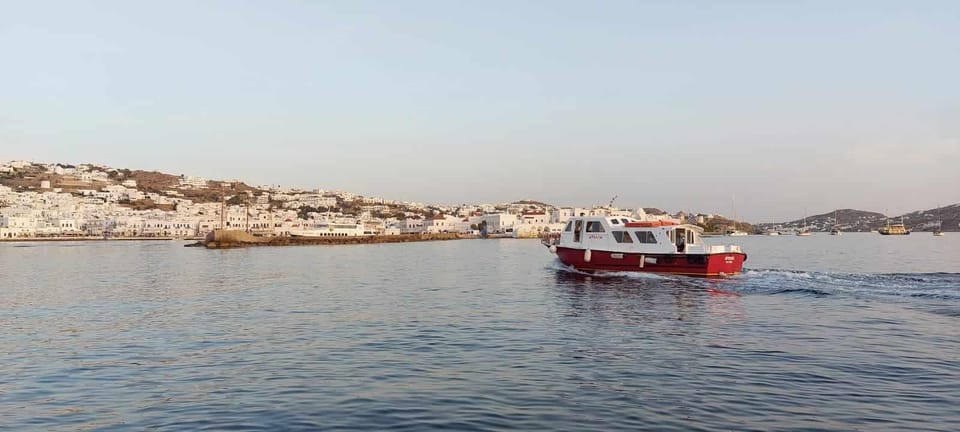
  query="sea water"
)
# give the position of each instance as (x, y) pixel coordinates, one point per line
(857, 332)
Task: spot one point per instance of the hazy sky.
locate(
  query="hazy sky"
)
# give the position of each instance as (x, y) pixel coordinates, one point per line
(790, 106)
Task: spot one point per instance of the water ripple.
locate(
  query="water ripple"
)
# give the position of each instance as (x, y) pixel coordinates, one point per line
(469, 335)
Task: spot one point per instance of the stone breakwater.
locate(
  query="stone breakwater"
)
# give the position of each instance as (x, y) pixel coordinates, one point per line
(91, 239)
(224, 239)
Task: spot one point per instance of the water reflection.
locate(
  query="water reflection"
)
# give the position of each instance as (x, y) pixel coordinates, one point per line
(646, 300)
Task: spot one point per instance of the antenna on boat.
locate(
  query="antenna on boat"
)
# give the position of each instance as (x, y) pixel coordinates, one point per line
(612, 200)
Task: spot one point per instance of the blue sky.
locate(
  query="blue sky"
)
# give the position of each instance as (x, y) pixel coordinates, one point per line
(793, 108)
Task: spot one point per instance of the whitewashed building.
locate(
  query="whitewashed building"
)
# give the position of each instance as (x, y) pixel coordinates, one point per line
(442, 224)
(500, 222)
(193, 181)
(411, 225)
(534, 218)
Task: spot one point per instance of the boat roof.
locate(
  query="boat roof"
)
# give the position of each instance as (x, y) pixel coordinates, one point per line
(691, 227)
(634, 223)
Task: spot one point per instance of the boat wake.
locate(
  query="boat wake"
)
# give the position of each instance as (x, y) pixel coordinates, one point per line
(938, 287)
(560, 267)
(934, 286)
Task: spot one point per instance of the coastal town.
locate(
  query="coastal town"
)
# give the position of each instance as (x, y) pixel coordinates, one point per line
(53, 201)
(61, 201)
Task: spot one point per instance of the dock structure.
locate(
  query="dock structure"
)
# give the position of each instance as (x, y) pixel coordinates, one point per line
(225, 239)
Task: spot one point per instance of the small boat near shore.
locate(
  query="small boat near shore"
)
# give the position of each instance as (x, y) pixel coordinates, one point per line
(618, 244)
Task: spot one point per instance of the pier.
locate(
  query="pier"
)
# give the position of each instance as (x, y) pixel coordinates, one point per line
(226, 239)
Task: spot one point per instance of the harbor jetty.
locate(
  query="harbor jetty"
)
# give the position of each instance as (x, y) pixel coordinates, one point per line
(225, 239)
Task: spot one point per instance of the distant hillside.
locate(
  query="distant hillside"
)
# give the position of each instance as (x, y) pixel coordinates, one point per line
(31, 177)
(861, 220)
(531, 202)
(84, 178)
(926, 220)
(721, 224)
(846, 219)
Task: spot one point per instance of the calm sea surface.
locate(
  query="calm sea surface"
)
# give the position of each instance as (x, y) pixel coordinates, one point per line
(859, 332)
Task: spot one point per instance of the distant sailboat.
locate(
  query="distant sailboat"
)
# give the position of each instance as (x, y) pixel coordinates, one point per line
(772, 231)
(939, 231)
(804, 230)
(836, 225)
(735, 232)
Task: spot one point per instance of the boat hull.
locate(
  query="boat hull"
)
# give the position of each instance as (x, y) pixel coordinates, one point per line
(702, 265)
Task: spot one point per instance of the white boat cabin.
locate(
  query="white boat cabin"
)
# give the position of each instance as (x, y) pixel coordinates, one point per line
(623, 234)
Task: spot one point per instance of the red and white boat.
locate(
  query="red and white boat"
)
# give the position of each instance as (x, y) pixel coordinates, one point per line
(599, 244)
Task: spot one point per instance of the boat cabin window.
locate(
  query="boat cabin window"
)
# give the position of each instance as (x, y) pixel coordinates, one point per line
(569, 226)
(646, 237)
(577, 229)
(594, 227)
(624, 221)
(622, 237)
(614, 221)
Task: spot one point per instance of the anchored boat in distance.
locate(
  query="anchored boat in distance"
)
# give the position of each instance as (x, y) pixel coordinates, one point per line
(615, 244)
(894, 229)
(805, 230)
(836, 225)
(938, 232)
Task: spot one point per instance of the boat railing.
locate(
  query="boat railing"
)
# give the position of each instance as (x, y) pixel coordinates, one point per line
(717, 249)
